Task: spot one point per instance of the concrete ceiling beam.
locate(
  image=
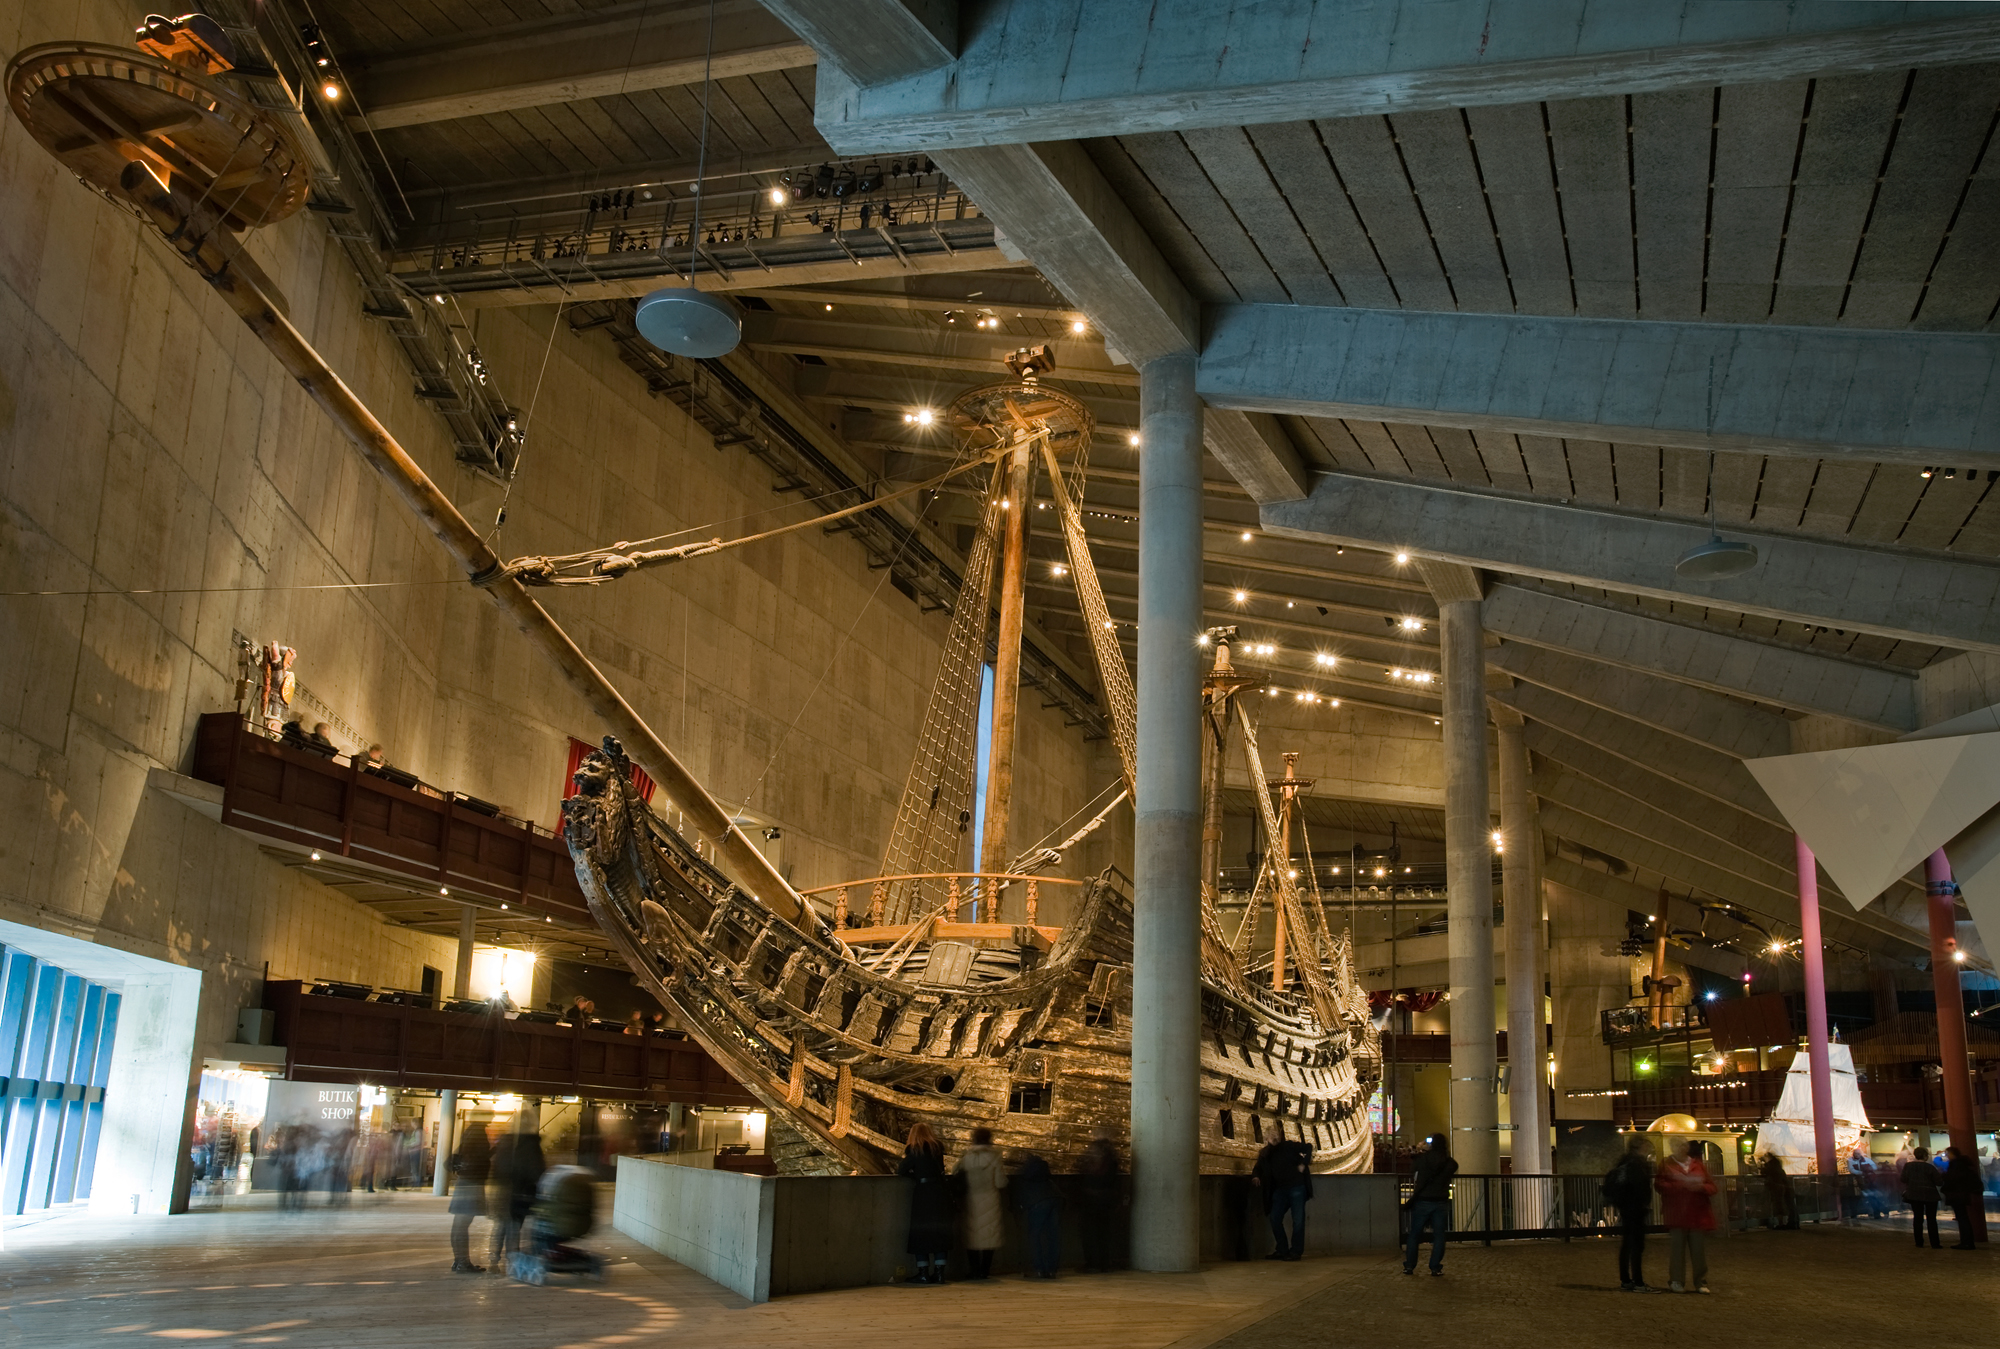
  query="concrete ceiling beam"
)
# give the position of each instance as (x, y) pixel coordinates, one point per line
(1257, 453)
(1823, 393)
(1892, 593)
(876, 40)
(958, 347)
(1695, 715)
(570, 60)
(1722, 856)
(1803, 681)
(1043, 70)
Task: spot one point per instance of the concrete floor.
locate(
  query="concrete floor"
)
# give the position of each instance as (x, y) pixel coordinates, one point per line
(377, 1273)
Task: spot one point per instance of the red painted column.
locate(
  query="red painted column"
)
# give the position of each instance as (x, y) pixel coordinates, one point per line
(1816, 1036)
(1943, 893)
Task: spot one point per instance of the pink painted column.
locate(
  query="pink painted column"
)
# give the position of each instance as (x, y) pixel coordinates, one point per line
(1943, 894)
(1816, 1037)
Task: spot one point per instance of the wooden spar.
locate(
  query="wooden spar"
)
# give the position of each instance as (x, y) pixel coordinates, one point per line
(216, 255)
(1288, 795)
(1007, 656)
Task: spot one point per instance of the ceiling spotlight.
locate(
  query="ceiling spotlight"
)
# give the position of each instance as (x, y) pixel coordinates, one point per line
(1133, 440)
(443, 890)
(1246, 536)
(1109, 624)
(1324, 659)
(503, 905)
(1202, 640)
(1413, 625)
(1333, 702)
(921, 417)
(778, 197)
(1058, 570)
(315, 857)
(1927, 473)
(1496, 838)
(1401, 558)
(1076, 326)
(1242, 597)
(1958, 956)
(1776, 947)
(330, 92)
(1379, 871)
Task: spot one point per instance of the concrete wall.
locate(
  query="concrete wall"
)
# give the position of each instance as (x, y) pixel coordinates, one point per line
(771, 1236)
(1586, 977)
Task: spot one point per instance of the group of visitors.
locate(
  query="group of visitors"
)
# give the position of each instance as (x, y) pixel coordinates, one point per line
(497, 1180)
(982, 1176)
(1957, 1184)
(1684, 1186)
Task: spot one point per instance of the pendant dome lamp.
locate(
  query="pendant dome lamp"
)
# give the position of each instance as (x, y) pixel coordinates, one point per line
(682, 319)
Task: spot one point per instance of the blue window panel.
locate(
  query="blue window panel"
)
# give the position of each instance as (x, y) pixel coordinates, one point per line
(106, 1036)
(86, 1162)
(62, 1034)
(69, 1150)
(17, 980)
(34, 1061)
(42, 1155)
(85, 1061)
(23, 1114)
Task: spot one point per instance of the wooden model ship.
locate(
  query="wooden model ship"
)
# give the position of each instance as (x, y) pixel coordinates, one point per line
(931, 992)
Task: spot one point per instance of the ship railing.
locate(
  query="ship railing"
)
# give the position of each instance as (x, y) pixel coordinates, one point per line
(1489, 1208)
(970, 908)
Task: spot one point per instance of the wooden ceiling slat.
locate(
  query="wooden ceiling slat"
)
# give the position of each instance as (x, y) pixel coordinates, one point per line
(1240, 179)
(1886, 505)
(1736, 479)
(748, 103)
(1980, 536)
(1683, 481)
(1501, 453)
(638, 130)
(1590, 470)
(1438, 155)
(1637, 469)
(1171, 167)
(1964, 290)
(1548, 466)
(1187, 255)
(1364, 156)
(1942, 511)
(1944, 127)
(1330, 442)
(1670, 177)
(1836, 495)
(1846, 130)
(1783, 493)
(1460, 455)
(1513, 152)
(1419, 451)
(1375, 441)
(1756, 139)
(613, 144)
(791, 108)
(1298, 165)
(1595, 188)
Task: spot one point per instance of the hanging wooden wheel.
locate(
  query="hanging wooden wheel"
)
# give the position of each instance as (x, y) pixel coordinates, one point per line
(99, 108)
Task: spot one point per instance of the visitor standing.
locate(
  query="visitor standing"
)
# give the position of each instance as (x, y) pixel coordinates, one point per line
(1962, 1190)
(1430, 1203)
(469, 1169)
(1103, 1201)
(1628, 1187)
(1685, 1185)
(1041, 1212)
(930, 1206)
(1920, 1192)
(1778, 1194)
(1283, 1176)
(984, 1178)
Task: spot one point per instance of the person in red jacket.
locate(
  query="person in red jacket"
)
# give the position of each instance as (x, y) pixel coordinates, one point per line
(1685, 1185)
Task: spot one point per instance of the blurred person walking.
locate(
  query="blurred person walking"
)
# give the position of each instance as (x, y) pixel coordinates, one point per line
(1920, 1192)
(470, 1168)
(1282, 1178)
(512, 1193)
(1103, 1201)
(1961, 1187)
(930, 1204)
(1430, 1203)
(1685, 1186)
(1778, 1195)
(1041, 1214)
(1628, 1187)
(984, 1178)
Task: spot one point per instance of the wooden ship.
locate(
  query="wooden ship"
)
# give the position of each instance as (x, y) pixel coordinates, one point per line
(931, 992)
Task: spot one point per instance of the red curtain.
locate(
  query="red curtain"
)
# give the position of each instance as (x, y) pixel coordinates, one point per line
(578, 749)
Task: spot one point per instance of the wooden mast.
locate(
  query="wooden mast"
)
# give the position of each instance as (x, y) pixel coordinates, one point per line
(1282, 855)
(1007, 660)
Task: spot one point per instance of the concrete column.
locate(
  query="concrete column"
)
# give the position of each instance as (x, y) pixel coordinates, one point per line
(1957, 1072)
(1475, 1104)
(447, 1119)
(1813, 956)
(461, 979)
(1520, 890)
(1166, 927)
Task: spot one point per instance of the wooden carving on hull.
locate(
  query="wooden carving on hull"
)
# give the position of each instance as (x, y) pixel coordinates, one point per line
(849, 1032)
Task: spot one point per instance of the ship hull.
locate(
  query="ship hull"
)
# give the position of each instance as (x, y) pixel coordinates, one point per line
(850, 1059)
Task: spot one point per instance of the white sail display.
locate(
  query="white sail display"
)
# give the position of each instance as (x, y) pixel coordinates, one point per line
(1789, 1131)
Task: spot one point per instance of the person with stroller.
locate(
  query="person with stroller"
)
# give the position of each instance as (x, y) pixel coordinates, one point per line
(565, 1210)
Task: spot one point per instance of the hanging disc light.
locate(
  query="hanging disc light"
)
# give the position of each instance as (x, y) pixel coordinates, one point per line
(1716, 560)
(682, 319)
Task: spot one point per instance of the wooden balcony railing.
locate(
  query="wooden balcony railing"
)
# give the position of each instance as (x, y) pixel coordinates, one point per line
(344, 1035)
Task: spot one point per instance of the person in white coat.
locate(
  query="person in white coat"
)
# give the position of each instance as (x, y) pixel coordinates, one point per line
(985, 1177)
